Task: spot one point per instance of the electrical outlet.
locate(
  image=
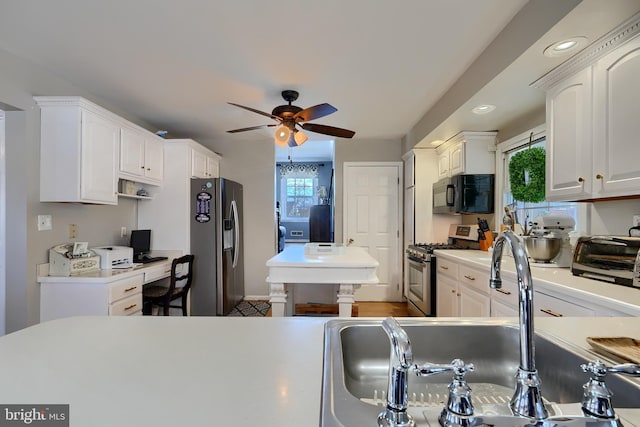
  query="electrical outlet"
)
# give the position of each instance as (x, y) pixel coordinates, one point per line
(45, 222)
(123, 232)
(73, 231)
(636, 220)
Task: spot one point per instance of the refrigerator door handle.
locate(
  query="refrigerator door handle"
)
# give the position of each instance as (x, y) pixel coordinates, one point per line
(236, 230)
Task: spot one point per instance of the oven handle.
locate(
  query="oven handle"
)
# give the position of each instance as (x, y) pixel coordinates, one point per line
(418, 262)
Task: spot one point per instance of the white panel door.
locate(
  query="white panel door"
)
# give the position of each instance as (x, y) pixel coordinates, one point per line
(372, 220)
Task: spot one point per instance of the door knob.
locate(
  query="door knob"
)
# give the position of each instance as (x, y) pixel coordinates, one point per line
(350, 241)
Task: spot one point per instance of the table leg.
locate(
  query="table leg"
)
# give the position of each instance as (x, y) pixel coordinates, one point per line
(278, 299)
(346, 299)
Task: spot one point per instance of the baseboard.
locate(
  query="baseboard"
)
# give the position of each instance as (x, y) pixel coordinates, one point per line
(256, 298)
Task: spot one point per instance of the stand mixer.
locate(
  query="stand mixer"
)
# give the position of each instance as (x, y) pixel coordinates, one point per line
(553, 227)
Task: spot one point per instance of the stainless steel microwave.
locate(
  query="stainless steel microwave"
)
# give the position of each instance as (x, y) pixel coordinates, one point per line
(460, 194)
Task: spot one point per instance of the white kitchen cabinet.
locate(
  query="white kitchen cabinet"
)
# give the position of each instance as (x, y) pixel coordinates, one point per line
(551, 306)
(168, 214)
(78, 151)
(204, 163)
(467, 153)
(461, 290)
(504, 301)
(74, 296)
(591, 125)
(141, 156)
(568, 151)
(616, 125)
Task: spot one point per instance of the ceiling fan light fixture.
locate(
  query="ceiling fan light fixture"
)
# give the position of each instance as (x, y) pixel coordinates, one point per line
(299, 137)
(282, 135)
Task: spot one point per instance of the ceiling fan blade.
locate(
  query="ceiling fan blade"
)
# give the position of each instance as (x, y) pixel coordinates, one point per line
(251, 128)
(328, 130)
(315, 112)
(256, 111)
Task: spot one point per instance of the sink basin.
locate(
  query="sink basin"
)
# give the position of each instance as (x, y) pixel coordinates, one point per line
(356, 364)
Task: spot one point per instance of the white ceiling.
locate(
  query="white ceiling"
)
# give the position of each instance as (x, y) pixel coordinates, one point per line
(384, 65)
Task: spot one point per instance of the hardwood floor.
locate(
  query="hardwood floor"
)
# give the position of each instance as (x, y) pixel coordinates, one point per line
(361, 309)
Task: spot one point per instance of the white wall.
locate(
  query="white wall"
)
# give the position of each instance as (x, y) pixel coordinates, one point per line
(613, 217)
(19, 82)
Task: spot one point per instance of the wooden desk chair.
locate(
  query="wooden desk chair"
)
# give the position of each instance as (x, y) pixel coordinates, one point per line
(181, 274)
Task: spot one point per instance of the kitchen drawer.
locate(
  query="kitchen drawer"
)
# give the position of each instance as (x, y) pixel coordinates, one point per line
(548, 306)
(124, 288)
(475, 278)
(507, 294)
(156, 273)
(446, 267)
(125, 307)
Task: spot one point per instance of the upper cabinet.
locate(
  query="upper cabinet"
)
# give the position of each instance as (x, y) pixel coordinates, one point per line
(78, 151)
(141, 156)
(592, 128)
(204, 163)
(84, 149)
(467, 153)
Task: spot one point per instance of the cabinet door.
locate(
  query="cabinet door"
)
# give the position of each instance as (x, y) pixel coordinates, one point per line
(499, 309)
(473, 303)
(198, 164)
(456, 159)
(568, 169)
(213, 167)
(616, 91)
(443, 165)
(409, 170)
(409, 216)
(153, 159)
(99, 147)
(446, 297)
(550, 306)
(132, 152)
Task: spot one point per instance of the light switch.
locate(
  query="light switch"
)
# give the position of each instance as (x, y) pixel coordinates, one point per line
(45, 222)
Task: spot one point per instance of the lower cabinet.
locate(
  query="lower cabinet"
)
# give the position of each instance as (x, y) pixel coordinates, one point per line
(460, 291)
(75, 297)
(550, 306)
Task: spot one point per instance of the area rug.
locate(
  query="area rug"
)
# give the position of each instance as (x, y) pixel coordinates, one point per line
(250, 308)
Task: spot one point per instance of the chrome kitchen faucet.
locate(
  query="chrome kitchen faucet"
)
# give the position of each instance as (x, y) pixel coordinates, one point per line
(527, 399)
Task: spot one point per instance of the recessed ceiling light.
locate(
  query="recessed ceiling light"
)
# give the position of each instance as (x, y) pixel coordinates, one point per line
(483, 109)
(564, 47)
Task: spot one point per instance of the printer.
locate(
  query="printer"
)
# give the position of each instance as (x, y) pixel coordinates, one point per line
(114, 256)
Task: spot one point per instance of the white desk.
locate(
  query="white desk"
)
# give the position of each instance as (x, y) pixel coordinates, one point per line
(116, 292)
(291, 266)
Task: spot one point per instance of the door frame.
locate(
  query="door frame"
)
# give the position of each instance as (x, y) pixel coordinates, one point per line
(399, 215)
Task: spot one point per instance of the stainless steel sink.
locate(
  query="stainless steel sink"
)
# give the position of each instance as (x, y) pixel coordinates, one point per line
(356, 364)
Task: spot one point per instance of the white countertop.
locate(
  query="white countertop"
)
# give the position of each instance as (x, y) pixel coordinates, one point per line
(294, 256)
(560, 280)
(175, 371)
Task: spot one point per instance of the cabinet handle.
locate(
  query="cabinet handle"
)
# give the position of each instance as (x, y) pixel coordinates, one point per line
(131, 288)
(470, 277)
(580, 179)
(599, 176)
(503, 292)
(130, 307)
(458, 294)
(142, 167)
(148, 169)
(453, 291)
(551, 313)
(444, 267)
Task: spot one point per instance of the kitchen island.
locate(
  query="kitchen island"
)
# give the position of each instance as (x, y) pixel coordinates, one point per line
(347, 266)
(196, 371)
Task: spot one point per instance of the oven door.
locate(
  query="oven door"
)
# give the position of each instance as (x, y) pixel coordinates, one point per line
(420, 287)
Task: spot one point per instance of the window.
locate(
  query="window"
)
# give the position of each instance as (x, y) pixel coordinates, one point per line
(299, 197)
(525, 212)
(298, 184)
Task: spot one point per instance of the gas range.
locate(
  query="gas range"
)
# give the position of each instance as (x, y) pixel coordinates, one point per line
(460, 237)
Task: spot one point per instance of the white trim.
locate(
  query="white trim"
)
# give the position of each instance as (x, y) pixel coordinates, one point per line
(540, 131)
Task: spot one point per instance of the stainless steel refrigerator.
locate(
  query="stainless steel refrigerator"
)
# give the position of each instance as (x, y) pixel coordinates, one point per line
(216, 242)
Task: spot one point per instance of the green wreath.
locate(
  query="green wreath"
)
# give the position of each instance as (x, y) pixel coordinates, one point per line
(526, 174)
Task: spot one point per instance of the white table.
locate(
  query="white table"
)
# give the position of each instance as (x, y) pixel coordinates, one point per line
(350, 269)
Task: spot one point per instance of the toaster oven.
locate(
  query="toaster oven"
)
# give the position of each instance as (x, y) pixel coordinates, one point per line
(614, 259)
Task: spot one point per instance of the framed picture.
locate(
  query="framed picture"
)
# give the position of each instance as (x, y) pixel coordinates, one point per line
(80, 248)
